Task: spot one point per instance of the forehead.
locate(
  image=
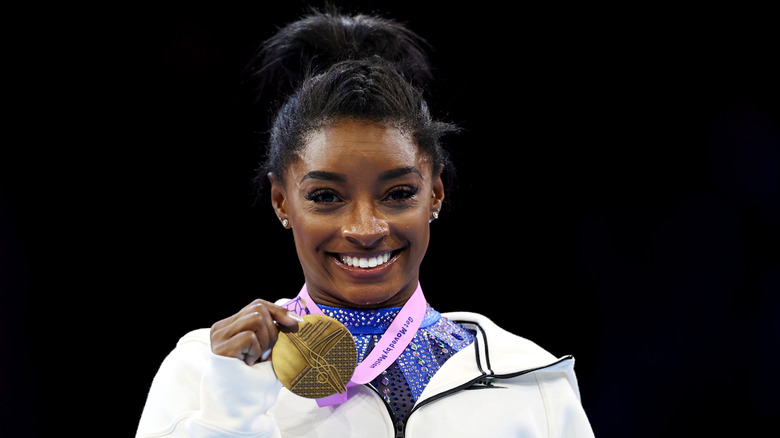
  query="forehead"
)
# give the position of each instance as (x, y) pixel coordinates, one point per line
(359, 145)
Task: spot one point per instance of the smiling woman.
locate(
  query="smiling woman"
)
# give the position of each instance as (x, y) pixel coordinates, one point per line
(355, 164)
(360, 192)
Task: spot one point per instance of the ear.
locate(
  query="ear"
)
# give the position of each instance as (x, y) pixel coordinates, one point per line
(278, 197)
(437, 199)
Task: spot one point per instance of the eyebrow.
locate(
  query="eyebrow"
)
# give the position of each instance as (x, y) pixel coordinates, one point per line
(399, 172)
(327, 176)
(338, 177)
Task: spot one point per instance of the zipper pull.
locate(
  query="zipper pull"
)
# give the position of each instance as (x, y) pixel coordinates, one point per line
(399, 429)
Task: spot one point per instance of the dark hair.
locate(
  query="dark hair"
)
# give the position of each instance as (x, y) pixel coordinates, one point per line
(339, 67)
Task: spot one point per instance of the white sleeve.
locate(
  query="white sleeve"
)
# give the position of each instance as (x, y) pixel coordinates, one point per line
(565, 415)
(199, 394)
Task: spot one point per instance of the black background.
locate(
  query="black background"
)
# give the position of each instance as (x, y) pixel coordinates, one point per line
(618, 199)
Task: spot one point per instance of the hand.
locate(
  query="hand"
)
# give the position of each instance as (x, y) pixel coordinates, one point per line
(251, 334)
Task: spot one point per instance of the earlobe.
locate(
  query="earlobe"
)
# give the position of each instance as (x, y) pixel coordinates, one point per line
(437, 197)
(279, 200)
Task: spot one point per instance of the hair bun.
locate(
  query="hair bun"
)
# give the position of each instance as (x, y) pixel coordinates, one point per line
(313, 43)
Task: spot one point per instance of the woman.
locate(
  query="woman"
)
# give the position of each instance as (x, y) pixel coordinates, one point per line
(355, 165)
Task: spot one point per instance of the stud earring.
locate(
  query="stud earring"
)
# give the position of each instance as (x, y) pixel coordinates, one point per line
(285, 222)
(435, 214)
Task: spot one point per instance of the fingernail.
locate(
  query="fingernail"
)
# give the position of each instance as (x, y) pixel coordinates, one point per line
(295, 316)
(265, 355)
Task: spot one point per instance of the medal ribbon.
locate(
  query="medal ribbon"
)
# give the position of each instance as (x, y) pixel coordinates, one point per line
(397, 336)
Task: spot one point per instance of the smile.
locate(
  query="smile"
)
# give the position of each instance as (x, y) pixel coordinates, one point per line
(366, 262)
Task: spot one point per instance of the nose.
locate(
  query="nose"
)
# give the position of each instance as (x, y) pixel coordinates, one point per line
(364, 227)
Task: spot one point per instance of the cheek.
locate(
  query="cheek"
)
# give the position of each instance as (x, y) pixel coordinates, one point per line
(310, 235)
(416, 230)
(309, 231)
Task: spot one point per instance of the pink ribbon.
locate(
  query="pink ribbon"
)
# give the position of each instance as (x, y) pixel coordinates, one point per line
(387, 350)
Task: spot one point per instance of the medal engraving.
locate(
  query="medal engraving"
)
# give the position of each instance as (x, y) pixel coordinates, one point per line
(318, 360)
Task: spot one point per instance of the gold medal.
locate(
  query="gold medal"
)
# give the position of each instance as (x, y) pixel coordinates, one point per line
(318, 360)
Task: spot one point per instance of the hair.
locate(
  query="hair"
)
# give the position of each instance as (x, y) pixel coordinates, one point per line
(332, 67)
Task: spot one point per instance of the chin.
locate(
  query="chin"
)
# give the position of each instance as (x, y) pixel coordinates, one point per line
(375, 295)
(364, 300)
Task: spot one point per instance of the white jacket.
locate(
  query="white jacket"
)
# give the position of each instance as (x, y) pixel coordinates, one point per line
(501, 385)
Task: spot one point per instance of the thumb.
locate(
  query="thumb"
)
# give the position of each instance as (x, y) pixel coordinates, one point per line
(285, 319)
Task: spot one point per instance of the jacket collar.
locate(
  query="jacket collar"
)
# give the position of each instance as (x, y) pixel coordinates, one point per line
(494, 353)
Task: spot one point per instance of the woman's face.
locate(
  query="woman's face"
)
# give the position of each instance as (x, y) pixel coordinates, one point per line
(359, 200)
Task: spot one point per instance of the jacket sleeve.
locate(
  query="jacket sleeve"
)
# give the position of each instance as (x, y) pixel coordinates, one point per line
(566, 417)
(199, 394)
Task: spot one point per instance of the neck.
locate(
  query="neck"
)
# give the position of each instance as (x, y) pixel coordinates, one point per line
(381, 301)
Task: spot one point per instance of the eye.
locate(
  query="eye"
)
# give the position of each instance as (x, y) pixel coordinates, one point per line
(323, 196)
(401, 193)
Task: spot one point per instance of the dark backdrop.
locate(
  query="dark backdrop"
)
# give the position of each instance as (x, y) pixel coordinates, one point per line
(617, 199)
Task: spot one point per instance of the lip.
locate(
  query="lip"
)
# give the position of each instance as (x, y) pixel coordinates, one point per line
(357, 271)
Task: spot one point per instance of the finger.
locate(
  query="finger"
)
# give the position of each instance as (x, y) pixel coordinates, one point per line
(250, 352)
(262, 323)
(243, 346)
(282, 316)
(249, 308)
(229, 338)
(265, 329)
(286, 320)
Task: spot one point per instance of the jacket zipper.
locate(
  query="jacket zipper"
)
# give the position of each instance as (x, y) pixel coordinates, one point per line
(400, 426)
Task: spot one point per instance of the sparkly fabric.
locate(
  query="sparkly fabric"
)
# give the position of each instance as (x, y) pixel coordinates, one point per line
(402, 383)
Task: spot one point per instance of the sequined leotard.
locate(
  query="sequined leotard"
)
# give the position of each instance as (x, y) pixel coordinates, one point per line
(402, 383)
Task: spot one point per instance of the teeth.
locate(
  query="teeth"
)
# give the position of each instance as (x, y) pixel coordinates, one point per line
(365, 262)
